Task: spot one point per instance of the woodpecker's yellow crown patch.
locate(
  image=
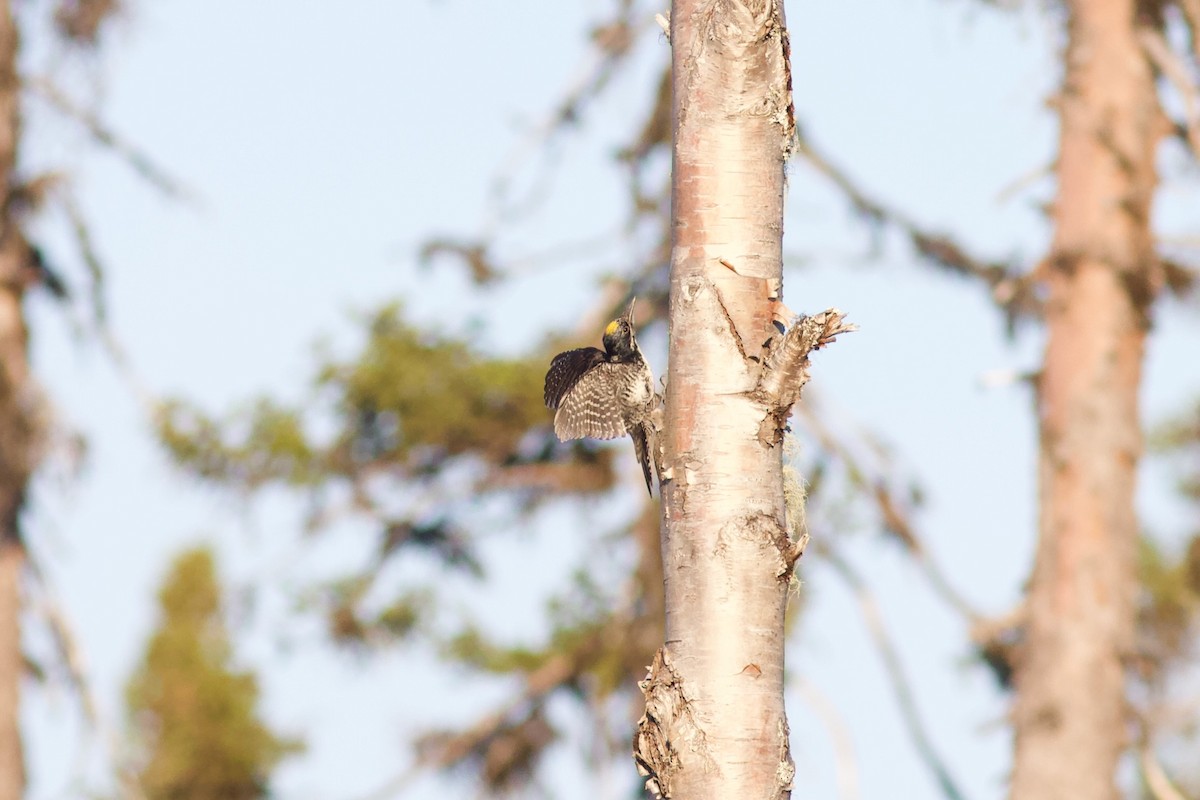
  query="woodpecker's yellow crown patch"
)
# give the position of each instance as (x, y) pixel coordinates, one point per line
(612, 327)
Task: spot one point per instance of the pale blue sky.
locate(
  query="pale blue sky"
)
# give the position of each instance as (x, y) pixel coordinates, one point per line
(324, 141)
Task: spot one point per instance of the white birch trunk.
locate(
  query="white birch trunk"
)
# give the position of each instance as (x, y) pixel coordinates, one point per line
(715, 725)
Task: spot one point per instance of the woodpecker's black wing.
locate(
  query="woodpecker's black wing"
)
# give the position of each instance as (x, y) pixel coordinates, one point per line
(586, 390)
(565, 371)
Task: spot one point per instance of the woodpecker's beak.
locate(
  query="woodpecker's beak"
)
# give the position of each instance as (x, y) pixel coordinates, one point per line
(629, 313)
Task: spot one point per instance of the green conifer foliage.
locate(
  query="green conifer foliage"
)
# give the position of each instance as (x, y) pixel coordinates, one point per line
(194, 715)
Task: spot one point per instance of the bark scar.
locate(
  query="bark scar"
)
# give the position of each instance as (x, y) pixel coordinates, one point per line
(666, 726)
(789, 120)
(733, 332)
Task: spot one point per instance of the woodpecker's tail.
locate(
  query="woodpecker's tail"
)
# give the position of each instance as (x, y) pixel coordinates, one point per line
(643, 445)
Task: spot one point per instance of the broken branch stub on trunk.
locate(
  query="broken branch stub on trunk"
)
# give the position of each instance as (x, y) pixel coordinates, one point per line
(785, 367)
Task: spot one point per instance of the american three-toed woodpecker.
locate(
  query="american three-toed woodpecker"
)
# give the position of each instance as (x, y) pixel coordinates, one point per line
(606, 393)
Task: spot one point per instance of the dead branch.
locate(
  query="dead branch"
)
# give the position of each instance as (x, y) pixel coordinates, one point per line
(557, 672)
(1157, 780)
(80, 21)
(474, 254)
(395, 784)
(70, 656)
(845, 765)
(612, 42)
(1024, 181)
(997, 642)
(901, 686)
(106, 137)
(445, 751)
(1180, 279)
(1191, 13)
(1010, 290)
(91, 258)
(97, 318)
(1173, 68)
(892, 510)
(484, 267)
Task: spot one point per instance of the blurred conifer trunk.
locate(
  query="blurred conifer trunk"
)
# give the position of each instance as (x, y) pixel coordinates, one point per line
(715, 725)
(12, 773)
(1070, 717)
(15, 427)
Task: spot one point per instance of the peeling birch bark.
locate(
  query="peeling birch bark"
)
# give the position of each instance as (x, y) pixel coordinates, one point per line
(715, 725)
